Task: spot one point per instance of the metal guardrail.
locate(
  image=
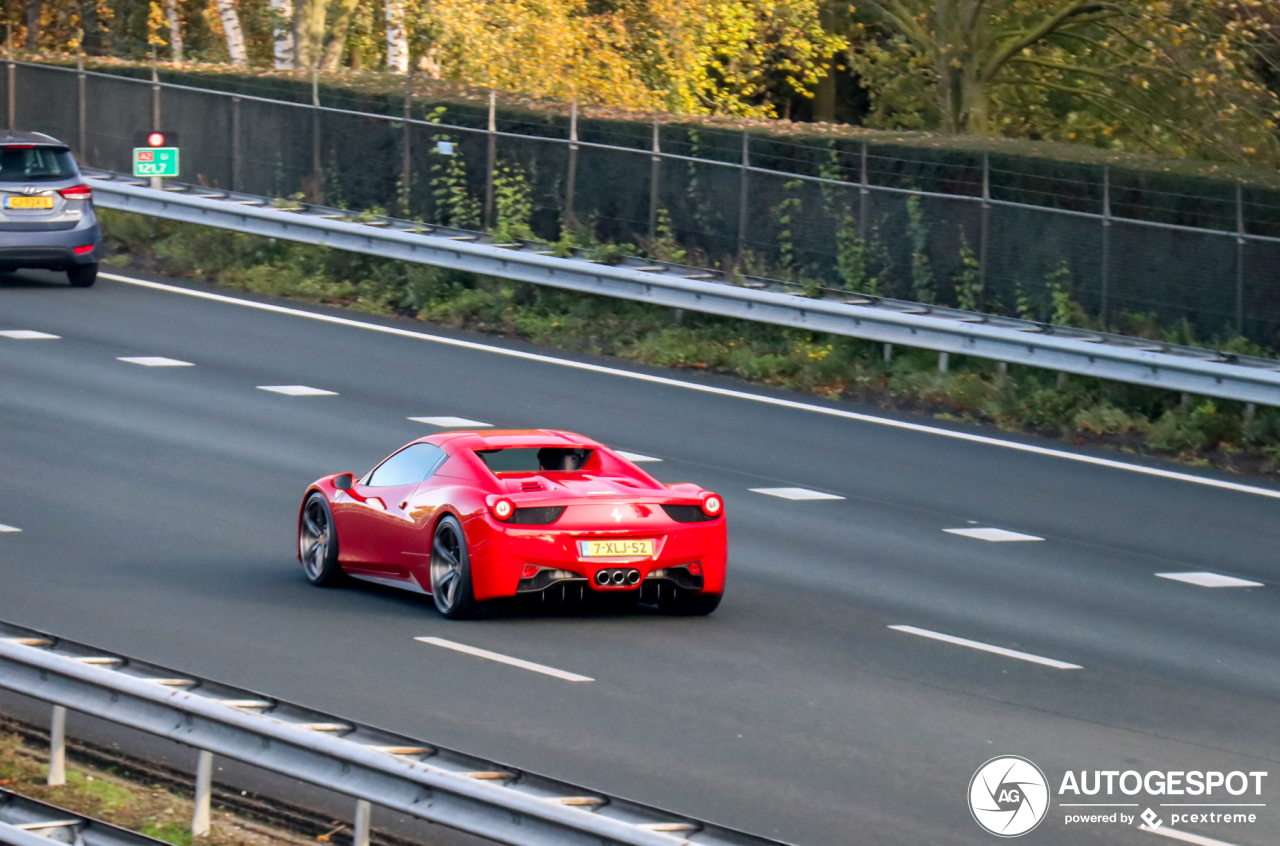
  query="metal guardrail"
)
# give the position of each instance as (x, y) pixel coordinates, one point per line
(952, 331)
(376, 767)
(26, 822)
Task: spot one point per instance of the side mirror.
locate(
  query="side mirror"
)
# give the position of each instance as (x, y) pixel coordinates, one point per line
(344, 481)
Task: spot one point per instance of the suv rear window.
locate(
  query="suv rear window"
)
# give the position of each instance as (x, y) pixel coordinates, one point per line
(35, 164)
(534, 459)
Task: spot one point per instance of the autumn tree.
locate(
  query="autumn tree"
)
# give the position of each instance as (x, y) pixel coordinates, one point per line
(1173, 76)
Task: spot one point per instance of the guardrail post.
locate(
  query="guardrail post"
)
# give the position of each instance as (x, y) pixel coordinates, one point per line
(570, 218)
(80, 102)
(235, 143)
(58, 747)
(1106, 244)
(1250, 409)
(1002, 372)
(360, 833)
(944, 362)
(743, 193)
(204, 791)
(1240, 258)
(654, 174)
(493, 155)
(888, 353)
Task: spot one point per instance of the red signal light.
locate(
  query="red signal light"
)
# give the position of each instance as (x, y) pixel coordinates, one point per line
(530, 570)
(86, 249)
(694, 568)
(502, 508)
(156, 139)
(77, 192)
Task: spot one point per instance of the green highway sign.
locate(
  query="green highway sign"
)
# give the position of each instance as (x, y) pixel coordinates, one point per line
(155, 161)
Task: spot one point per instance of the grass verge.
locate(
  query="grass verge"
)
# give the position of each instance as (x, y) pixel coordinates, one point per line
(1080, 410)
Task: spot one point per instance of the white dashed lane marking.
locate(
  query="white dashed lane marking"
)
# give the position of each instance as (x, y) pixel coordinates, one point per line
(636, 457)
(297, 391)
(795, 493)
(4, 528)
(27, 335)
(1184, 836)
(451, 422)
(504, 659)
(986, 647)
(1209, 580)
(993, 535)
(154, 361)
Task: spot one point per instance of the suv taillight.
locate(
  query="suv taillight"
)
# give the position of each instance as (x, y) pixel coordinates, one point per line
(77, 192)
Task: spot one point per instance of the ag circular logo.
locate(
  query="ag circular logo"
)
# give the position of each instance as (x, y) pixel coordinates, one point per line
(1008, 796)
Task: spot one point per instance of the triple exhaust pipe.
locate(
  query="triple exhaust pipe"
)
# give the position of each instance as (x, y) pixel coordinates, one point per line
(618, 577)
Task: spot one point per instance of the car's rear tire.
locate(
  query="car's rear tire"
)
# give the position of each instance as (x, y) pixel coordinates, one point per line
(82, 275)
(318, 543)
(689, 604)
(451, 572)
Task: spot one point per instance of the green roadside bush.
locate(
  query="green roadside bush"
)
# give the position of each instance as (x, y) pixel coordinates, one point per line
(1081, 409)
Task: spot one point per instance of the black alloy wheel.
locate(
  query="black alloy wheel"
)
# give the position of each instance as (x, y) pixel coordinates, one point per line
(451, 572)
(318, 542)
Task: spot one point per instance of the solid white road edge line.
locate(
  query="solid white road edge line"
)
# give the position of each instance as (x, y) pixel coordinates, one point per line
(1184, 836)
(710, 389)
(4, 528)
(504, 659)
(986, 647)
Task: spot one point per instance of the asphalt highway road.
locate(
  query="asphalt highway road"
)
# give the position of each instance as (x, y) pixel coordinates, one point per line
(157, 505)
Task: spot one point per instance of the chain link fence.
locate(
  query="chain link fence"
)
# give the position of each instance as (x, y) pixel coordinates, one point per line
(1053, 242)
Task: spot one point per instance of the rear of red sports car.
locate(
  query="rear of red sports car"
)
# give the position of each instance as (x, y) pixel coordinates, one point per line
(585, 521)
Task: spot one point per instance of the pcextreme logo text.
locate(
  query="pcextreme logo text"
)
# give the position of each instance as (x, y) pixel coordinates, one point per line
(1010, 796)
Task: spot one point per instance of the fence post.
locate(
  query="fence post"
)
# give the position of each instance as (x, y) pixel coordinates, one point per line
(863, 191)
(13, 69)
(204, 791)
(1240, 233)
(654, 174)
(80, 111)
(58, 747)
(743, 194)
(1106, 244)
(493, 155)
(315, 134)
(360, 834)
(570, 218)
(986, 214)
(407, 163)
(235, 143)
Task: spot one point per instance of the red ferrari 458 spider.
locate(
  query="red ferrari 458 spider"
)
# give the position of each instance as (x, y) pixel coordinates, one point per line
(470, 517)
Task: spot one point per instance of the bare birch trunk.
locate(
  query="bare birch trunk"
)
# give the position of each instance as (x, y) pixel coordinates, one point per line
(235, 36)
(397, 38)
(282, 29)
(33, 24)
(175, 29)
(310, 40)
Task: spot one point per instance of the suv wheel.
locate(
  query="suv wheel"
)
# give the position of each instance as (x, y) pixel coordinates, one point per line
(82, 275)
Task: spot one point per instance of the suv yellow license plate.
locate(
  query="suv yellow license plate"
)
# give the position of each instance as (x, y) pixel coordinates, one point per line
(616, 548)
(28, 202)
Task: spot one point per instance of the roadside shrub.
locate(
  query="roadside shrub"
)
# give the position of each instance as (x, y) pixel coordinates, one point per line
(1052, 408)
(1104, 419)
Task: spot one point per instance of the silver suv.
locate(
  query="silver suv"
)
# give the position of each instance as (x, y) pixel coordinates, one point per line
(46, 209)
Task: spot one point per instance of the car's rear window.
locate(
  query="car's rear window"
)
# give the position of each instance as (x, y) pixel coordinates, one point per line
(534, 459)
(35, 164)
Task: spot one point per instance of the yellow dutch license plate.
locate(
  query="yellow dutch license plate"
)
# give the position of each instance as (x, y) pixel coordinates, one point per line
(626, 548)
(28, 202)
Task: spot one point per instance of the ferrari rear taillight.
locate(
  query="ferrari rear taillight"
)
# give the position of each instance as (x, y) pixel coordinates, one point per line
(712, 506)
(694, 568)
(502, 509)
(77, 192)
(530, 570)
